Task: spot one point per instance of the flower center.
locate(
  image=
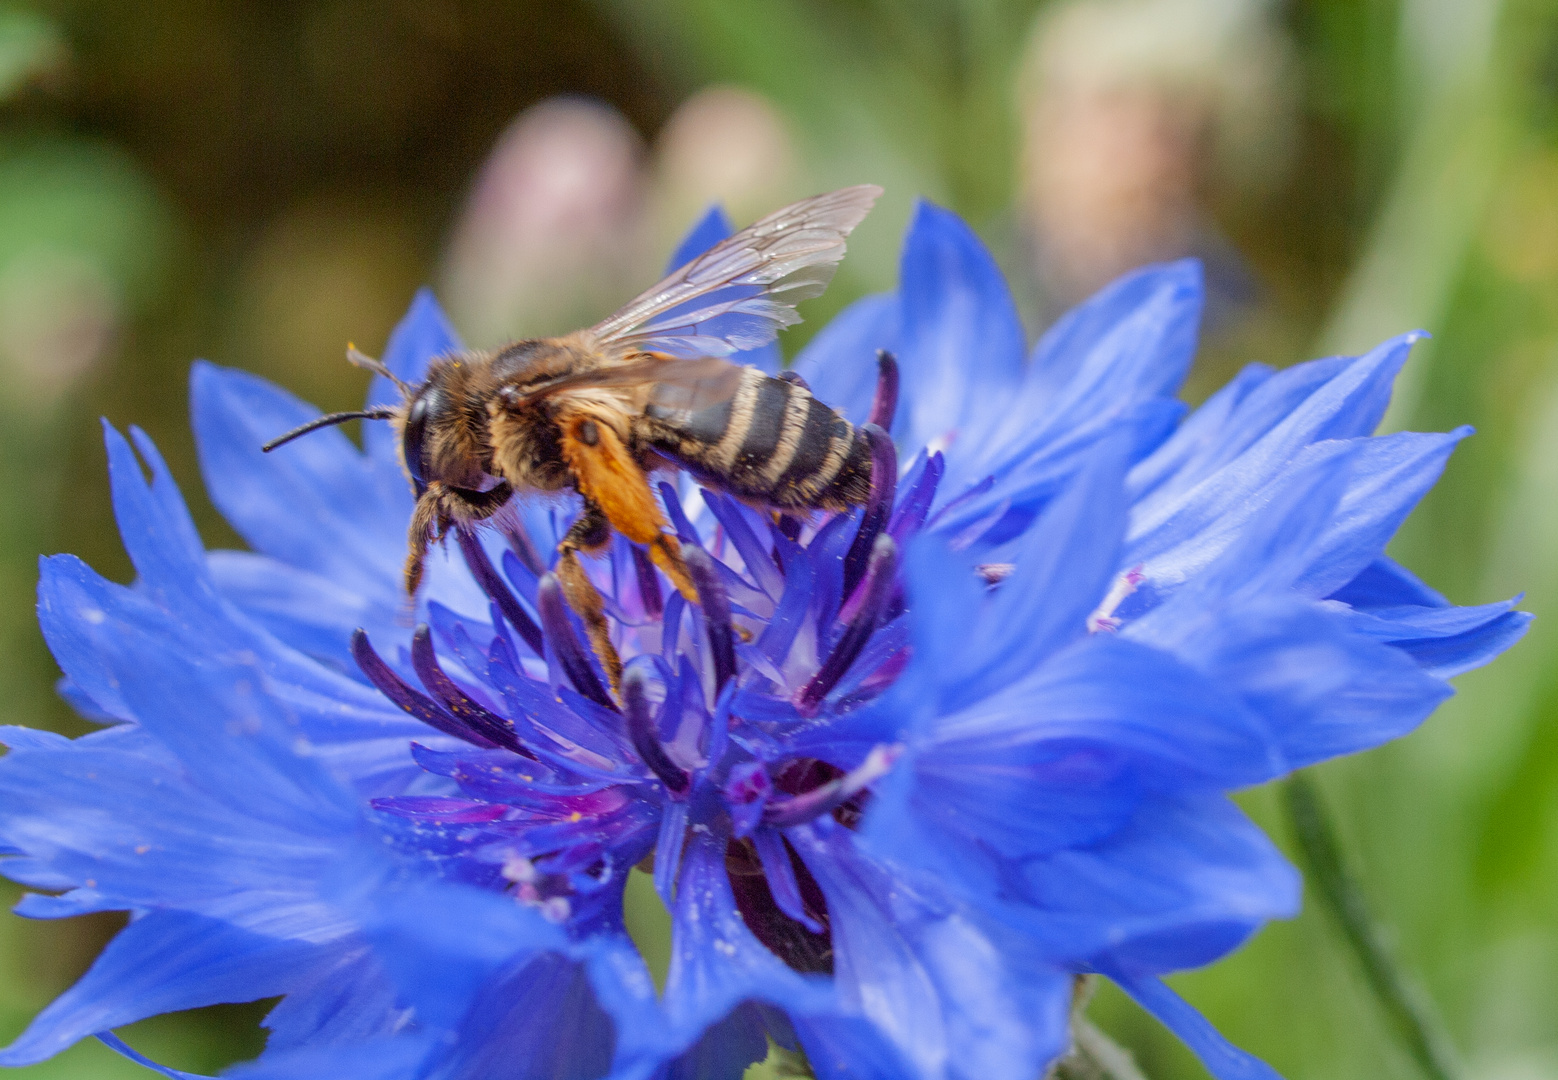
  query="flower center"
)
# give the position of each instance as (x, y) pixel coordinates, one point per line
(555, 787)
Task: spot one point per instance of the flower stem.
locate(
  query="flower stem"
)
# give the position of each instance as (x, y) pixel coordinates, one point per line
(1110, 1058)
(1093, 1055)
(781, 1064)
(1406, 1008)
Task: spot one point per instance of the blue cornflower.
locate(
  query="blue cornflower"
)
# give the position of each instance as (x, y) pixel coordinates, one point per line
(902, 776)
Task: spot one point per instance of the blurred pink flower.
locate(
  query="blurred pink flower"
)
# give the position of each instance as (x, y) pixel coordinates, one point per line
(724, 144)
(549, 235)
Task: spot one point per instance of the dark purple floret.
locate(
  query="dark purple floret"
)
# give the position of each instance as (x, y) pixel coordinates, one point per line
(648, 583)
(828, 797)
(884, 485)
(716, 613)
(646, 740)
(884, 406)
(914, 507)
(570, 654)
(864, 614)
(494, 586)
(407, 697)
(476, 716)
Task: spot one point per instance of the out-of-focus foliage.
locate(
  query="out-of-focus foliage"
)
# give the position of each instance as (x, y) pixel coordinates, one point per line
(259, 183)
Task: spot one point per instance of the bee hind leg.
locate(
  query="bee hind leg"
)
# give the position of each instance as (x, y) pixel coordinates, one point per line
(590, 533)
(666, 553)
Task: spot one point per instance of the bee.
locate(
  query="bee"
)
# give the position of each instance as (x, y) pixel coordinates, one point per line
(598, 410)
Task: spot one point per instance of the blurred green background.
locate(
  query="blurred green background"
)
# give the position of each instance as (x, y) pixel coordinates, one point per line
(259, 183)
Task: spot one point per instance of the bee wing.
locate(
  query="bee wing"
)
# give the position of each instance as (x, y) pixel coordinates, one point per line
(740, 293)
(680, 385)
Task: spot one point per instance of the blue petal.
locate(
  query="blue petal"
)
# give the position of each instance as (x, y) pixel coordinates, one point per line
(839, 364)
(391, 1058)
(1181, 458)
(846, 1048)
(348, 1001)
(1063, 566)
(1444, 640)
(176, 602)
(1255, 545)
(215, 712)
(155, 526)
(26, 738)
(163, 962)
(1131, 343)
(119, 1046)
(1335, 410)
(945, 591)
(506, 986)
(717, 967)
(716, 963)
(311, 612)
(1188, 880)
(536, 1021)
(1086, 738)
(726, 1049)
(1386, 583)
(948, 994)
(134, 831)
(1389, 475)
(1447, 657)
(1233, 420)
(1222, 1059)
(1323, 690)
(1137, 335)
(961, 345)
(316, 503)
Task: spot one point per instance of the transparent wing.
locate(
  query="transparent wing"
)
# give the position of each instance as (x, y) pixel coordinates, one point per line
(681, 385)
(740, 293)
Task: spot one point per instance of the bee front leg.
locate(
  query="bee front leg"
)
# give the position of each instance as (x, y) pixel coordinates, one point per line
(429, 522)
(590, 534)
(439, 507)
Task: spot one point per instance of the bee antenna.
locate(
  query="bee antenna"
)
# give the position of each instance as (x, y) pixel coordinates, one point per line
(368, 363)
(382, 412)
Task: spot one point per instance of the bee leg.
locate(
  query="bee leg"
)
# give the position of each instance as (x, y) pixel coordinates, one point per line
(438, 507)
(429, 521)
(590, 534)
(608, 477)
(665, 551)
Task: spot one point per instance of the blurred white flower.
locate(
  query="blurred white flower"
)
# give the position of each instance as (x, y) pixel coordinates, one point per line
(1130, 108)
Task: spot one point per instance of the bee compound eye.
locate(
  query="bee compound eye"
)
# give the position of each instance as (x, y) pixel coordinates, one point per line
(415, 434)
(588, 433)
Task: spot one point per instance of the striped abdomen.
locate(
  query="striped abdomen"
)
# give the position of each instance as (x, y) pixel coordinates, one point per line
(772, 442)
